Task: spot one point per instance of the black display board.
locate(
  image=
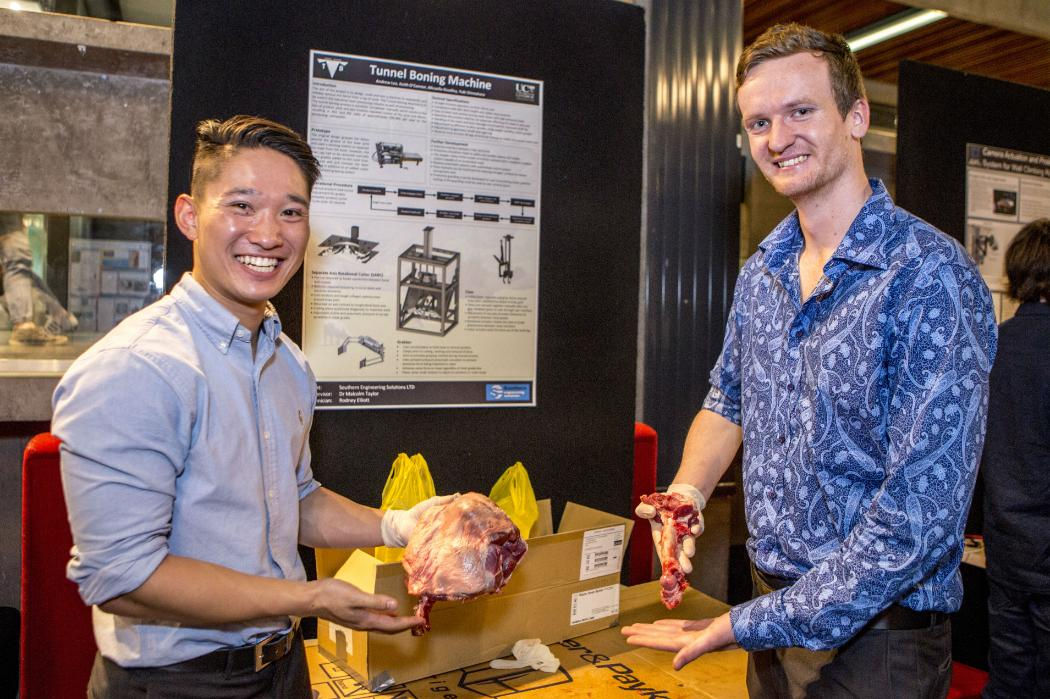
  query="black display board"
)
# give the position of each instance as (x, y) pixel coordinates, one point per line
(939, 111)
(245, 56)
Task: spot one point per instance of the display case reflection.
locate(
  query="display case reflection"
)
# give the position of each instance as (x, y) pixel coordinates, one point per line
(66, 281)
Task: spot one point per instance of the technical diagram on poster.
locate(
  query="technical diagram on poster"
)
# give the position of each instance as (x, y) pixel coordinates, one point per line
(1005, 189)
(421, 275)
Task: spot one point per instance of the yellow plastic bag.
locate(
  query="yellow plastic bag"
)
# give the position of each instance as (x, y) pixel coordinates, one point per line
(513, 493)
(408, 484)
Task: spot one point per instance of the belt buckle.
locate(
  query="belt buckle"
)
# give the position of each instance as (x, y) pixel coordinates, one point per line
(260, 647)
(260, 662)
(286, 641)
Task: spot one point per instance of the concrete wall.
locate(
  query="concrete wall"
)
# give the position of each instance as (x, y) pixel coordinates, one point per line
(85, 128)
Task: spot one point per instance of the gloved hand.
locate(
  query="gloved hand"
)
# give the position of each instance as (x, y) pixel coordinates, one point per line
(397, 525)
(656, 523)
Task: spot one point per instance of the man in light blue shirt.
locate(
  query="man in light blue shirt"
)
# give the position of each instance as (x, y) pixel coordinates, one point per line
(855, 374)
(186, 458)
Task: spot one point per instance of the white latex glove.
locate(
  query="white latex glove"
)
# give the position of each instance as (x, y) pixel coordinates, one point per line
(656, 524)
(397, 525)
(529, 652)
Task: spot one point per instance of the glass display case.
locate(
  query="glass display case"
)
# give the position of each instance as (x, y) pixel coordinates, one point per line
(67, 280)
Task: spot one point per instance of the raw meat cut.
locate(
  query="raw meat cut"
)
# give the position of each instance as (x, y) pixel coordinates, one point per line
(678, 515)
(458, 551)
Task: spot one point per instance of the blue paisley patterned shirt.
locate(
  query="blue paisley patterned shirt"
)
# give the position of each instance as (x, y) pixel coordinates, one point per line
(863, 412)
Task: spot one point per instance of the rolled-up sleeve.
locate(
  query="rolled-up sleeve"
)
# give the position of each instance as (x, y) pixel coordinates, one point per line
(125, 431)
(304, 475)
(723, 397)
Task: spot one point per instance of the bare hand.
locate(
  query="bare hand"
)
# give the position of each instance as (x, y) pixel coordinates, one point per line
(688, 639)
(349, 606)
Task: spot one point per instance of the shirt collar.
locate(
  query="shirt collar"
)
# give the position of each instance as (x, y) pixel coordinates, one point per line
(219, 325)
(864, 242)
(1033, 308)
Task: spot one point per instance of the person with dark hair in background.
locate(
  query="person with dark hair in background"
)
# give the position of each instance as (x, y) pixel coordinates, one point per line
(855, 373)
(1016, 474)
(186, 457)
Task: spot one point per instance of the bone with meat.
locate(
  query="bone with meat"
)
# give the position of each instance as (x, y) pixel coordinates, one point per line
(678, 515)
(458, 551)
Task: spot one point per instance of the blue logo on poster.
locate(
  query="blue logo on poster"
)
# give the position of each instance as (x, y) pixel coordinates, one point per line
(515, 392)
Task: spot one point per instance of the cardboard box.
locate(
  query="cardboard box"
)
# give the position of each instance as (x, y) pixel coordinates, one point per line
(600, 664)
(567, 585)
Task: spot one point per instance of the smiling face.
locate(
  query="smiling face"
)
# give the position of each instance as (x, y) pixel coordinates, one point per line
(250, 227)
(797, 136)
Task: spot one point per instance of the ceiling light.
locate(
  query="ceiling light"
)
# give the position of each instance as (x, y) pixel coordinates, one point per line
(21, 5)
(898, 24)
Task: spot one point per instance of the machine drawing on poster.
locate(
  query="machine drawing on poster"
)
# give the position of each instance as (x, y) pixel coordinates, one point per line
(503, 260)
(363, 250)
(428, 288)
(369, 343)
(394, 154)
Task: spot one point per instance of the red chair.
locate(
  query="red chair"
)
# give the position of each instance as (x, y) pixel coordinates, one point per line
(57, 643)
(967, 682)
(641, 562)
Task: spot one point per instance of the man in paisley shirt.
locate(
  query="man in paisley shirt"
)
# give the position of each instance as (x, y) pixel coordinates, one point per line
(855, 374)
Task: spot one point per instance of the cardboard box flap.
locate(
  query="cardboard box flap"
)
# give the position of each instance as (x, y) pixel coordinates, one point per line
(329, 561)
(362, 569)
(544, 525)
(576, 517)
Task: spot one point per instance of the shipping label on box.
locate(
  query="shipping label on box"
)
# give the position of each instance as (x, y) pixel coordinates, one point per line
(566, 585)
(594, 604)
(601, 551)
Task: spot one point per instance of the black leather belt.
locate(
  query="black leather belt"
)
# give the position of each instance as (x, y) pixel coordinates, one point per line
(255, 657)
(895, 617)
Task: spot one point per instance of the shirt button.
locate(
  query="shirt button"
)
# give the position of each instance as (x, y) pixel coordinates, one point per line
(266, 435)
(222, 345)
(272, 493)
(791, 387)
(780, 439)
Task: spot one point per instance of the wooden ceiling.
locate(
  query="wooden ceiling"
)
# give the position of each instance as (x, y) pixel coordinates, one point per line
(949, 43)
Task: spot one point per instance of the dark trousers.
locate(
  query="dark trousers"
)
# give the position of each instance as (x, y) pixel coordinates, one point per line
(1018, 643)
(288, 678)
(876, 663)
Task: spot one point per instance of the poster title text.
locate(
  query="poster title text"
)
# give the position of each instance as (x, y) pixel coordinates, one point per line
(429, 78)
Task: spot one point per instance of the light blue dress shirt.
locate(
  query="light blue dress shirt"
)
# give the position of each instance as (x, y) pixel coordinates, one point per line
(863, 413)
(175, 440)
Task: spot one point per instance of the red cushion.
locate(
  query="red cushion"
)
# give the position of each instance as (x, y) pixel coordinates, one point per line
(641, 565)
(57, 643)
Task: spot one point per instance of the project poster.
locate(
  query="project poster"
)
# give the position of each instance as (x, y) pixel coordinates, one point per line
(421, 276)
(1005, 189)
